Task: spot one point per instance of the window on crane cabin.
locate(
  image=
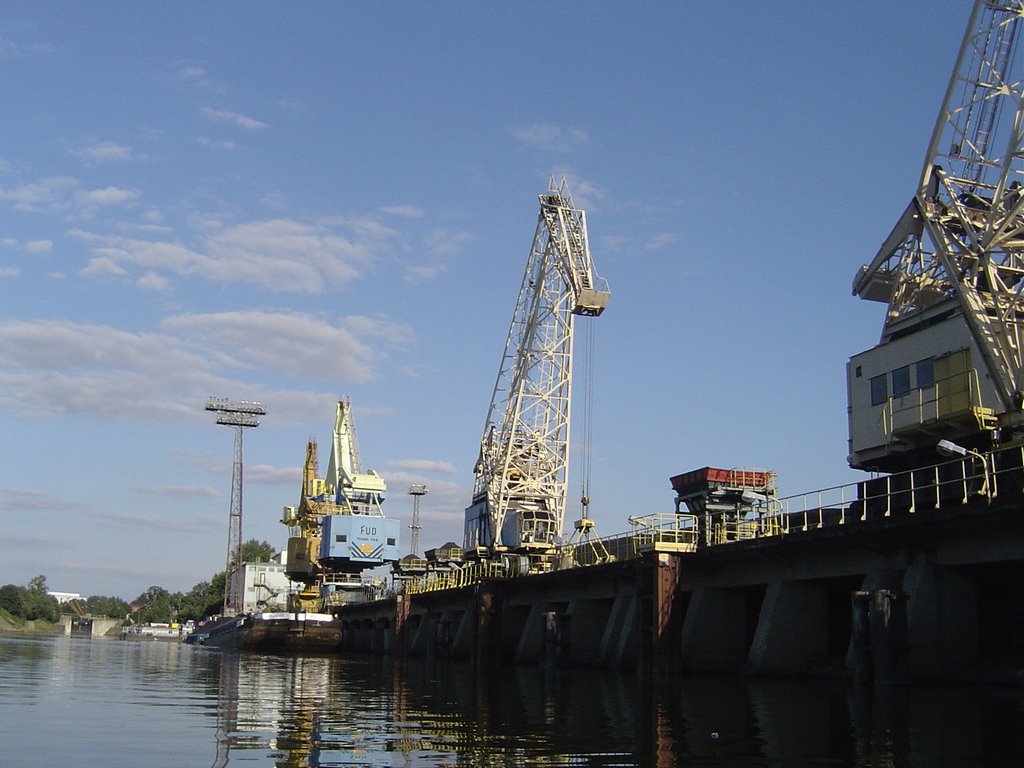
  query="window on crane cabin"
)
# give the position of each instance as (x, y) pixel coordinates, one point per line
(879, 389)
(901, 381)
(925, 373)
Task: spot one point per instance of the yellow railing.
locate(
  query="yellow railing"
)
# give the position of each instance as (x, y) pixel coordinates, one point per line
(456, 578)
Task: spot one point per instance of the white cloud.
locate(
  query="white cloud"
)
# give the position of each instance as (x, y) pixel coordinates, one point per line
(39, 246)
(294, 343)
(26, 499)
(151, 281)
(56, 367)
(192, 72)
(552, 138)
(406, 211)
(446, 241)
(108, 196)
(216, 144)
(418, 274)
(660, 240)
(9, 271)
(225, 116)
(63, 195)
(102, 152)
(179, 491)
(10, 49)
(424, 465)
(279, 254)
(161, 523)
(48, 194)
(102, 266)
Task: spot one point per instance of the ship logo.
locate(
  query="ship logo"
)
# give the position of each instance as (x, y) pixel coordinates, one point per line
(363, 551)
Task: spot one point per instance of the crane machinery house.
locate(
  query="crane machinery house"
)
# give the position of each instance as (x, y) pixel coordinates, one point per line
(949, 364)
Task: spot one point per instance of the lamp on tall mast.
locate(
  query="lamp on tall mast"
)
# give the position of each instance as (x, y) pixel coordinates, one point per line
(416, 491)
(238, 415)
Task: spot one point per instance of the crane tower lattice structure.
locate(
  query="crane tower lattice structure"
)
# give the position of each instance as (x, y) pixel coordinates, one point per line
(520, 486)
(240, 416)
(961, 238)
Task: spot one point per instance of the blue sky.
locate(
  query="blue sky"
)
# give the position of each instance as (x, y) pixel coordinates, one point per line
(293, 202)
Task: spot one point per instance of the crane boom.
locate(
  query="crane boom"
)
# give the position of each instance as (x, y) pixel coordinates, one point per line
(520, 488)
(958, 248)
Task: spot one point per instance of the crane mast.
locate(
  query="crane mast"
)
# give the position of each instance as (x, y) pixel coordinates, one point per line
(956, 257)
(520, 486)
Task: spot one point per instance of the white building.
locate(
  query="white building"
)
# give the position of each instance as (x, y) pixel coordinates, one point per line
(64, 597)
(265, 587)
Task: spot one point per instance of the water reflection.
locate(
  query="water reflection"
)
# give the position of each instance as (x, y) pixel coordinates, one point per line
(329, 712)
(116, 703)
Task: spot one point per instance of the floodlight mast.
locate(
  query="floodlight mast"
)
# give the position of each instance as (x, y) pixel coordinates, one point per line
(238, 415)
(416, 490)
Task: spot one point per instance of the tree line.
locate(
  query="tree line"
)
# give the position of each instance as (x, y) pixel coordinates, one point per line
(156, 604)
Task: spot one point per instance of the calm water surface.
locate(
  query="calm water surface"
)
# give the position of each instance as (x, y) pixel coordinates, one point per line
(110, 703)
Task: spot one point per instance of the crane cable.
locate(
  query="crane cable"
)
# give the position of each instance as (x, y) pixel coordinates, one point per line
(587, 415)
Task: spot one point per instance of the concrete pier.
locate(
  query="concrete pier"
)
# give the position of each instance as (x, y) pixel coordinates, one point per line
(887, 598)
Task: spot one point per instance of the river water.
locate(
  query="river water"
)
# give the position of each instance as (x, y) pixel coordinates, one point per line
(71, 701)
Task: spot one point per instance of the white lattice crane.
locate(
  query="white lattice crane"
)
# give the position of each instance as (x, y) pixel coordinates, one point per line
(520, 490)
(953, 261)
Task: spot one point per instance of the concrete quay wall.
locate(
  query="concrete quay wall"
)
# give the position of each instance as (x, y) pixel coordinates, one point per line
(906, 597)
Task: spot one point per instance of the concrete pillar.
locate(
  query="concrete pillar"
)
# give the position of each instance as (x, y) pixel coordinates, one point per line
(530, 645)
(557, 638)
(442, 645)
(942, 619)
(464, 622)
(488, 621)
(792, 630)
(888, 636)
(589, 622)
(618, 641)
(714, 634)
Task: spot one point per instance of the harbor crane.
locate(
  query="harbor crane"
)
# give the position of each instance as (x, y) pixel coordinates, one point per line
(949, 364)
(338, 529)
(520, 487)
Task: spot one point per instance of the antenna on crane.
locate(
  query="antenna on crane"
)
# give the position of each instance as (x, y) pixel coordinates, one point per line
(417, 490)
(240, 416)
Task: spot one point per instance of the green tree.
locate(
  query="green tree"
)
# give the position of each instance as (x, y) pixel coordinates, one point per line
(37, 584)
(196, 603)
(12, 599)
(155, 605)
(112, 607)
(40, 606)
(257, 551)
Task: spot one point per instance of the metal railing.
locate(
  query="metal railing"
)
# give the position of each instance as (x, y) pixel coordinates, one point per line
(960, 481)
(456, 578)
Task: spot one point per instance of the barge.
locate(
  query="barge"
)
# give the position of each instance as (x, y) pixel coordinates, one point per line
(278, 631)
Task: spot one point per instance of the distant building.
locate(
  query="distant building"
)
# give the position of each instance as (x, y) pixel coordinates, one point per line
(63, 597)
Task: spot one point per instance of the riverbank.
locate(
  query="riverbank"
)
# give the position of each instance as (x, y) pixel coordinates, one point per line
(9, 625)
